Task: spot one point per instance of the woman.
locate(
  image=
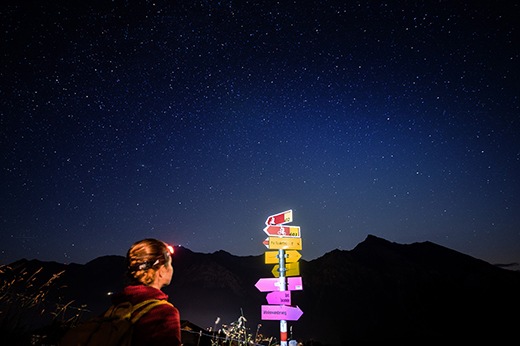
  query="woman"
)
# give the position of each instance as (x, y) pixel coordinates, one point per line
(150, 269)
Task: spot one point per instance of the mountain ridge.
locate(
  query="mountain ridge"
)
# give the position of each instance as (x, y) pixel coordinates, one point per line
(378, 291)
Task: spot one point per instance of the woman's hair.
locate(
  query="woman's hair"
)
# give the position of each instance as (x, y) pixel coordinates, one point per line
(144, 258)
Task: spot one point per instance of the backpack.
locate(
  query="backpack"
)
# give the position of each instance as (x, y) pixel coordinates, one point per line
(115, 327)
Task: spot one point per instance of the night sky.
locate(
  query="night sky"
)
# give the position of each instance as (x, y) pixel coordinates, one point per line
(193, 121)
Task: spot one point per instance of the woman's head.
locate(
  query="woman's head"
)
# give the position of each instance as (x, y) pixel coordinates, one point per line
(149, 262)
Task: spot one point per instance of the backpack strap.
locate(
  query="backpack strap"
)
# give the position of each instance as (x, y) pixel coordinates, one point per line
(142, 308)
(148, 305)
(112, 311)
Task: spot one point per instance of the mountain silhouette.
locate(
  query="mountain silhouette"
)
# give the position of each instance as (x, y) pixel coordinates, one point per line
(379, 291)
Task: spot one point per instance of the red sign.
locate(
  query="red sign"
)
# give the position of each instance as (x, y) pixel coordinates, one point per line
(279, 219)
(283, 231)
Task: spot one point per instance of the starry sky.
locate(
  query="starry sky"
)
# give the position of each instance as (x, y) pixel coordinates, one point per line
(193, 121)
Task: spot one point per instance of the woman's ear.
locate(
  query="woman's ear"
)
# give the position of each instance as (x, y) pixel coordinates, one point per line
(162, 271)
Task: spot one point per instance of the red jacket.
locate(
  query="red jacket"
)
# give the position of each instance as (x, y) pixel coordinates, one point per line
(159, 326)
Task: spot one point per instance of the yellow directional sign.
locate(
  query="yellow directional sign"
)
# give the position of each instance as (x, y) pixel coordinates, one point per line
(291, 256)
(291, 269)
(277, 243)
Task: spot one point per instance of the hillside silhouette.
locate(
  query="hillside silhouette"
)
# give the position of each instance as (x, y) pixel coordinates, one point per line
(379, 291)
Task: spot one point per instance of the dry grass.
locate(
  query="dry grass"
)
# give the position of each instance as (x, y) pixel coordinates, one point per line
(28, 306)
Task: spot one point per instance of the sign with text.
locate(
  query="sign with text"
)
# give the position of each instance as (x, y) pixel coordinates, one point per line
(294, 283)
(268, 284)
(291, 269)
(281, 312)
(291, 256)
(277, 297)
(273, 284)
(283, 231)
(277, 243)
(285, 240)
(280, 218)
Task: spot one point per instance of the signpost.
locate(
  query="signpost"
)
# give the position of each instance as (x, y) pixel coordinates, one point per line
(285, 239)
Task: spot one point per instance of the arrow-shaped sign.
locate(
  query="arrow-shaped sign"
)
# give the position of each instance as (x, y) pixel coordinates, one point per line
(268, 284)
(280, 218)
(281, 312)
(277, 243)
(291, 269)
(291, 256)
(283, 231)
(294, 283)
(281, 298)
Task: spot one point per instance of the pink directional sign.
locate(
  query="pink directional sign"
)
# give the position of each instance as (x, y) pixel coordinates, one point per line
(268, 284)
(277, 297)
(294, 283)
(281, 312)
